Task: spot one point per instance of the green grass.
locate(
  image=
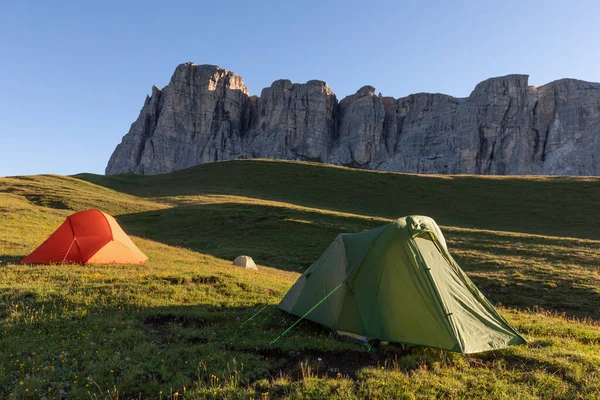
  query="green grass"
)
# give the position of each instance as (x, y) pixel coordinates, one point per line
(174, 325)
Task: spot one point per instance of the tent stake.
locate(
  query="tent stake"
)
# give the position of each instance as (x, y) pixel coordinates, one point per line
(308, 312)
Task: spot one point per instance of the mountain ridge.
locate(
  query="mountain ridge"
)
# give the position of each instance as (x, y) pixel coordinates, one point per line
(505, 126)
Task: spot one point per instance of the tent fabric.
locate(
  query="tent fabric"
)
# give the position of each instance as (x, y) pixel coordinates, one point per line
(400, 284)
(245, 261)
(87, 237)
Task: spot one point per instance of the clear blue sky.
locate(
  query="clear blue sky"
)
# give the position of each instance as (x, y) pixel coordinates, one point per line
(74, 74)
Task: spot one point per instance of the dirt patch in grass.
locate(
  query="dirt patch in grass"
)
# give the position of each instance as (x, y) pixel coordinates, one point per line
(298, 363)
(191, 280)
(47, 201)
(161, 320)
(4, 260)
(197, 340)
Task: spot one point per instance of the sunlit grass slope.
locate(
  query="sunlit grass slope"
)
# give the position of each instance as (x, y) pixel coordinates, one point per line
(174, 325)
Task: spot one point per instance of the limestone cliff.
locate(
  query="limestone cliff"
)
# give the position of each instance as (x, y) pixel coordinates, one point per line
(504, 127)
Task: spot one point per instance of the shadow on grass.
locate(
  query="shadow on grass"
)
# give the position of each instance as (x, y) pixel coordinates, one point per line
(558, 206)
(538, 248)
(139, 351)
(5, 259)
(278, 237)
(229, 329)
(293, 239)
(564, 298)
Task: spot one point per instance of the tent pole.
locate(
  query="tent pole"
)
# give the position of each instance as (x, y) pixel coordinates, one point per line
(67, 253)
(308, 312)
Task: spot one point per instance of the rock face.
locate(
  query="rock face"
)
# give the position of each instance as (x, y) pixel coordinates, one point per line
(198, 118)
(504, 127)
(292, 121)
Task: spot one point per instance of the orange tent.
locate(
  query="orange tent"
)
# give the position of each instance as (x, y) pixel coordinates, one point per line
(87, 237)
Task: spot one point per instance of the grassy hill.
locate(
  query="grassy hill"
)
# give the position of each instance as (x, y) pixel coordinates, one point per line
(174, 325)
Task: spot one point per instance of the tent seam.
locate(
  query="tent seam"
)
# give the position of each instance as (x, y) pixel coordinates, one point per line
(447, 314)
(479, 296)
(81, 260)
(360, 264)
(376, 292)
(337, 321)
(112, 236)
(348, 292)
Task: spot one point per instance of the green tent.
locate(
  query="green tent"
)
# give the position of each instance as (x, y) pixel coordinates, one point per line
(398, 283)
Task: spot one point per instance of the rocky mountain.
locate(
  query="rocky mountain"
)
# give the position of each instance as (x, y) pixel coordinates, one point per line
(505, 126)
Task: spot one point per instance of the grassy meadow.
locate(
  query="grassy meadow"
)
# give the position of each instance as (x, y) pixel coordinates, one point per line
(174, 327)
